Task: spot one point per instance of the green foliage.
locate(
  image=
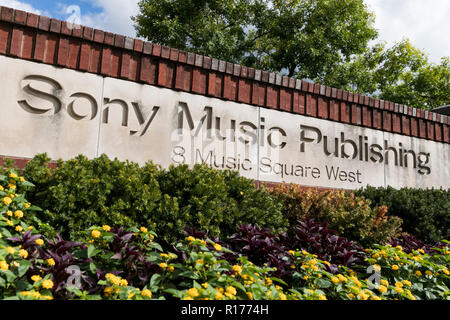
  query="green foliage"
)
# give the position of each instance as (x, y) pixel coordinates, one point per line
(215, 201)
(82, 192)
(425, 212)
(306, 38)
(401, 74)
(351, 216)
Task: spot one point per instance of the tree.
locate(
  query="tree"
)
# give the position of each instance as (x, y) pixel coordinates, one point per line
(303, 38)
(326, 41)
(401, 74)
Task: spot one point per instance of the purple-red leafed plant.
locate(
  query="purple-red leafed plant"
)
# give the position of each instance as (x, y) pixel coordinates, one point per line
(316, 238)
(62, 257)
(262, 247)
(409, 243)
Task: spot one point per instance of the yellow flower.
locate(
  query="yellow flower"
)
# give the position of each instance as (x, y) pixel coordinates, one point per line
(10, 250)
(146, 293)
(384, 282)
(199, 261)
(47, 284)
(39, 242)
(50, 262)
(394, 267)
(291, 252)
(382, 289)
(363, 296)
(398, 285)
(231, 290)
(170, 268)
(123, 283)
(376, 267)
(23, 253)
(406, 283)
(106, 228)
(421, 251)
(108, 290)
(418, 273)
(193, 292)
(237, 269)
(36, 278)
(96, 233)
(375, 298)
(351, 295)
(218, 296)
(143, 229)
(22, 179)
(428, 273)
(163, 255)
(13, 175)
(322, 297)
(445, 271)
(205, 285)
(163, 265)
(399, 248)
(398, 289)
(335, 280)
(9, 213)
(4, 265)
(7, 200)
(217, 246)
(18, 229)
(18, 214)
(342, 278)
(9, 223)
(190, 238)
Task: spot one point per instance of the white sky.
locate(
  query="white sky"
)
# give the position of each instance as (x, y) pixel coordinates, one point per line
(425, 22)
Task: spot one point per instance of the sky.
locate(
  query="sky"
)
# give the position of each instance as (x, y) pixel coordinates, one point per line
(425, 22)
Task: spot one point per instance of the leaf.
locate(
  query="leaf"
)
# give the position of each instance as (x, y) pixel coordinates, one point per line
(23, 268)
(92, 251)
(154, 282)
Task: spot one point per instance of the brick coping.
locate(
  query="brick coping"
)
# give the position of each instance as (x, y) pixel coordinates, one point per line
(41, 39)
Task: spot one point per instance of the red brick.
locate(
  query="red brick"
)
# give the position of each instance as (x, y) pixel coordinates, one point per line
(272, 97)
(430, 130)
(55, 25)
(258, 94)
(165, 52)
(99, 36)
(182, 57)
(7, 14)
(377, 122)
(156, 49)
(20, 17)
(183, 78)
(446, 133)
(215, 87)
(311, 105)
(438, 132)
(109, 38)
(85, 56)
(322, 108)
(422, 129)
(345, 112)
(95, 59)
(396, 123)
(74, 53)
(414, 127)
(244, 91)
(298, 102)
(166, 72)
(199, 81)
(65, 28)
(39, 49)
(174, 54)
(366, 116)
(27, 44)
(406, 126)
(63, 51)
(16, 42)
(44, 23)
(32, 20)
(387, 121)
(148, 70)
(334, 110)
(285, 99)
(356, 114)
(5, 30)
(230, 87)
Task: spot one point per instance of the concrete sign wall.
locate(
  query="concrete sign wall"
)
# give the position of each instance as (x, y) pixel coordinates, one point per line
(66, 113)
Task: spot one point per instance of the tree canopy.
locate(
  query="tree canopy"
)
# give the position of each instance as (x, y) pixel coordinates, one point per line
(326, 41)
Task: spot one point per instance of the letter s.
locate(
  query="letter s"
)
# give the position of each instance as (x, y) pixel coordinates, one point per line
(56, 88)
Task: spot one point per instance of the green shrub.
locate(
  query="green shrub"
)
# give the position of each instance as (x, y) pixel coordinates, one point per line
(82, 192)
(216, 201)
(351, 216)
(425, 212)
